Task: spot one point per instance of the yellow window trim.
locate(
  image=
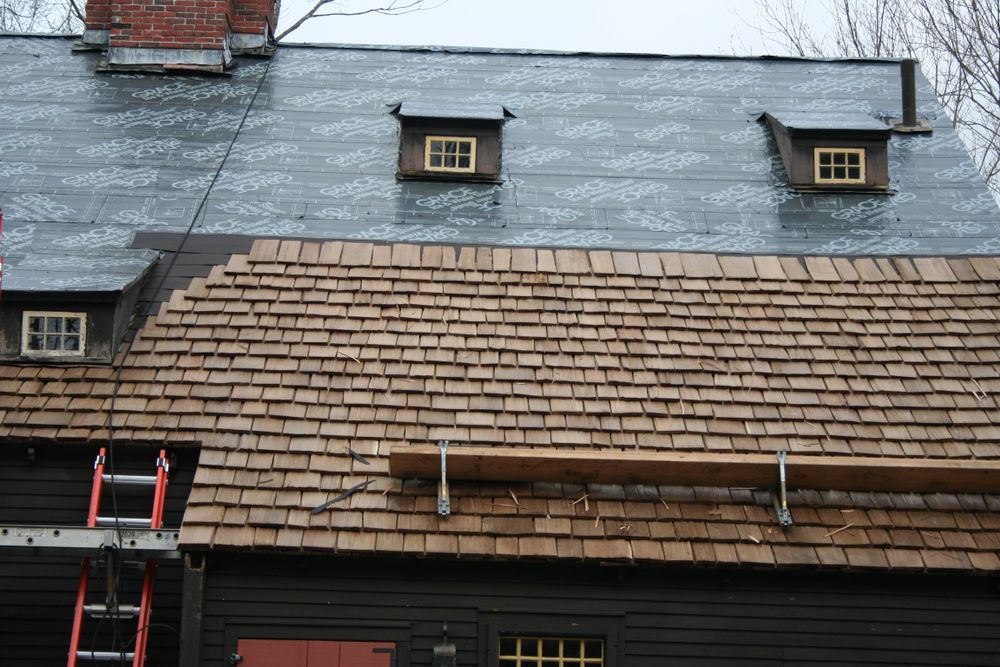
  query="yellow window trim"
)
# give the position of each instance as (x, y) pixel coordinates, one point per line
(836, 150)
(49, 314)
(529, 651)
(429, 139)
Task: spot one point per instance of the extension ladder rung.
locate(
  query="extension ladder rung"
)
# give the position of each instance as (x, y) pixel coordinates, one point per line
(131, 480)
(106, 656)
(102, 611)
(141, 613)
(138, 522)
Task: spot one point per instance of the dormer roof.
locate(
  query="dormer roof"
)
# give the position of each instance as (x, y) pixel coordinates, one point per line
(830, 123)
(99, 270)
(451, 109)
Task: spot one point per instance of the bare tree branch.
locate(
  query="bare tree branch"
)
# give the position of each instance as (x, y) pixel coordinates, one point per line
(39, 16)
(76, 10)
(323, 8)
(956, 41)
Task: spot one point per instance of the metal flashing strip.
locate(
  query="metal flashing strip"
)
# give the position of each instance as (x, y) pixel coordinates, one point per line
(139, 57)
(242, 42)
(140, 543)
(95, 38)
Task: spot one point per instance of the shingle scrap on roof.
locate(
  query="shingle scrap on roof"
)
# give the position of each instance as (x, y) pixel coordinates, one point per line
(284, 358)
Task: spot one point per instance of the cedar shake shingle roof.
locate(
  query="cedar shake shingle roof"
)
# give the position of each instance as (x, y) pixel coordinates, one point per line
(280, 361)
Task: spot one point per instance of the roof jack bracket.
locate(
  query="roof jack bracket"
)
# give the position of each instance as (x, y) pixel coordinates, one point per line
(781, 503)
(444, 502)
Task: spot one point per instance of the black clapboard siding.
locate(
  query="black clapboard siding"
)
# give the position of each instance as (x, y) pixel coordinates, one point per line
(664, 616)
(36, 603)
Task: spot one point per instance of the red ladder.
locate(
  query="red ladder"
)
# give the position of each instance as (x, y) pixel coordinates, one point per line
(111, 608)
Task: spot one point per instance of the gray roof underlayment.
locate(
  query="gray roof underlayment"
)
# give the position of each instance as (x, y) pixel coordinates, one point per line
(110, 270)
(632, 152)
(830, 121)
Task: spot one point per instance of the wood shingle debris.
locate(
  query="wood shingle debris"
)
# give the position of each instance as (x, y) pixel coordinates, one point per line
(303, 364)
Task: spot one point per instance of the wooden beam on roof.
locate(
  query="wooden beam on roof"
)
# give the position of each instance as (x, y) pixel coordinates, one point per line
(842, 473)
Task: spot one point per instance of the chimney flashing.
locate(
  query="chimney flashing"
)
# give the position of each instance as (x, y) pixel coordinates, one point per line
(93, 38)
(145, 58)
(190, 35)
(243, 43)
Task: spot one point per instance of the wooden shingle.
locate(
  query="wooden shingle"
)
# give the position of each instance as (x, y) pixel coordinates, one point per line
(286, 360)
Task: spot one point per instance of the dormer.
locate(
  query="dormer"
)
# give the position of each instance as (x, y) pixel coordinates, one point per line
(450, 141)
(832, 151)
(70, 308)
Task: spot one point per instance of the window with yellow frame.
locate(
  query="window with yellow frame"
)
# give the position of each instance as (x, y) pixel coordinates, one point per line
(456, 155)
(550, 652)
(839, 166)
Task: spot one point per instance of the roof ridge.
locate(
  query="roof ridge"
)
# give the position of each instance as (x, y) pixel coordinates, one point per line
(429, 48)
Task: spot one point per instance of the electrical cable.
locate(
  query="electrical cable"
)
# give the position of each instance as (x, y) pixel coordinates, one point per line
(126, 349)
(153, 625)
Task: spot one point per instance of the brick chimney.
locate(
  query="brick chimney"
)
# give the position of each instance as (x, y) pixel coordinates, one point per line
(158, 35)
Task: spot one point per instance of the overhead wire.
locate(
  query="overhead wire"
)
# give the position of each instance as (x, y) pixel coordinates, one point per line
(119, 362)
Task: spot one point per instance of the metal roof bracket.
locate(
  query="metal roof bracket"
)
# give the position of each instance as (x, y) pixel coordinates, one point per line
(781, 498)
(444, 502)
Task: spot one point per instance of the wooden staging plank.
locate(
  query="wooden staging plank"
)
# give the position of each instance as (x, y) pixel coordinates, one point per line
(842, 473)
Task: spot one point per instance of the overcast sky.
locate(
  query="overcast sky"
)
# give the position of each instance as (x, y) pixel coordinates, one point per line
(630, 26)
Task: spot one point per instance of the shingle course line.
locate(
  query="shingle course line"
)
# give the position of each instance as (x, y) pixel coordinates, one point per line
(282, 357)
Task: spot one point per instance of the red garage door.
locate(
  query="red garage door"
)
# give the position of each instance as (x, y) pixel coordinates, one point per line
(314, 653)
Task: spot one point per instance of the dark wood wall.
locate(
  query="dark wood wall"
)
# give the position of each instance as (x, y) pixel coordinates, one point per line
(412, 146)
(37, 593)
(653, 616)
(100, 324)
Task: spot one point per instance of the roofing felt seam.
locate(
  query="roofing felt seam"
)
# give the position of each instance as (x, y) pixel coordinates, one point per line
(641, 153)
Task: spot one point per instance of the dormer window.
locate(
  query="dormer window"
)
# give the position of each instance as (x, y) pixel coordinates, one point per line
(53, 334)
(70, 307)
(834, 151)
(839, 166)
(450, 141)
(450, 154)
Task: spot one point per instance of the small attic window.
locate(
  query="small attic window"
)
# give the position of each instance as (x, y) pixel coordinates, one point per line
(53, 334)
(832, 151)
(839, 166)
(450, 154)
(450, 141)
(516, 651)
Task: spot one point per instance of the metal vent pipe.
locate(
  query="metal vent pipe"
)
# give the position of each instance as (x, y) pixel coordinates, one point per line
(907, 71)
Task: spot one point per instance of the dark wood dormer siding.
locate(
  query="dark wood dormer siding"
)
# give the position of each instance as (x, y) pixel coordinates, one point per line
(411, 147)
(797, 144)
